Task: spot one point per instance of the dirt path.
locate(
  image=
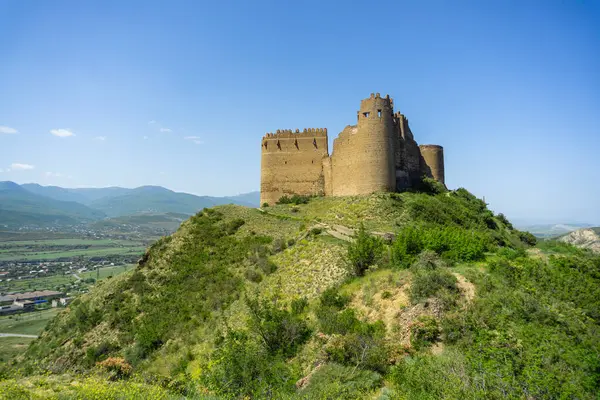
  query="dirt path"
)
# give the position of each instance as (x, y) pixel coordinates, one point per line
(17, 335)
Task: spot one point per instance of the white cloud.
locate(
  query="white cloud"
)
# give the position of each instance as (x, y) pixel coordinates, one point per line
(21, 167)
(62, 132)
(8, 130)
(53, 174)
(151, 122)
(100, 138)
(145, 137)
(167, 130)
(195, 139)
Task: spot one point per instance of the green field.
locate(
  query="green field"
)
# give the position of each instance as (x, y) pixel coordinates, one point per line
(54, 282)
(106, 272)
(25, 324)
(52, 249)
(11, 346)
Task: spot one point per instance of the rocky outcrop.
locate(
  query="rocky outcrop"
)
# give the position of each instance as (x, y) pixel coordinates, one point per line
(588, 238)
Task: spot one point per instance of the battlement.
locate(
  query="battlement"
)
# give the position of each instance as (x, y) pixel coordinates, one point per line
(375, 100)
(291, 134)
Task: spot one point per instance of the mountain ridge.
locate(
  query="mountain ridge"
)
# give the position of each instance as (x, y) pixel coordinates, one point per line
(47, 205)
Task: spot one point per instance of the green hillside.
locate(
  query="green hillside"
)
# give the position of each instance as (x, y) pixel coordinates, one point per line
(21, 207)
(388, 296)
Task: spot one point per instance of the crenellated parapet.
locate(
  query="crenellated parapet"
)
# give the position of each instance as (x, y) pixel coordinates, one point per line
(289, 133)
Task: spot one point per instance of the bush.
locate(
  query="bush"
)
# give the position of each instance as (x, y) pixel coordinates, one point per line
(280, 330)
(117, 367)
(426, 284)
(431, 186)
(295, 199)
(424, 332)
(527, 238)
(366, 349)
(240, 368)
(364, 252)
(253, 276)
(333, 381)
(451, 242)
(265, 205)
(505, 221)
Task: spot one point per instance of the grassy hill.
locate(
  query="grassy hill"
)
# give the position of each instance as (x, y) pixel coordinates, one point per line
(388, 296)
(19, 207)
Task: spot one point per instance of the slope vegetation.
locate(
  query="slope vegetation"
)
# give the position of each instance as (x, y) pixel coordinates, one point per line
(389, 296)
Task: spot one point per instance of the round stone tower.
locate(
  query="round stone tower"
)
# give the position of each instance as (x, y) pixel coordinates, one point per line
(363, 156)
(432, 161)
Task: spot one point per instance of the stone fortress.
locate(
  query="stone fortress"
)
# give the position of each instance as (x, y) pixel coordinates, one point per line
(378, 154)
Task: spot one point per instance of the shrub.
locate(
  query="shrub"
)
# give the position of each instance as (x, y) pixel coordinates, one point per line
(242, 368)
(265, 205)
(451, 242)
(431, 186)
(527, 238)
(232, 226)
(253, 276)
(117, 367)
(424, 332)
(280, 330)
(427, 284)
(364, 252)
(295, 199)
(333, 381)
(332, 298)
(366, 350)
(502, 218)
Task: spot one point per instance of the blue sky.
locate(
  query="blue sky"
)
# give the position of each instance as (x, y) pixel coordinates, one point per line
(179, 93)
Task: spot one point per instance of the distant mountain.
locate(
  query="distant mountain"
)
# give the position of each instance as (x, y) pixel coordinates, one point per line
(156, 199)
(251, 199)
(19, 206)
(551, 230)
(587, 238)
(80, 195)
(118, 201)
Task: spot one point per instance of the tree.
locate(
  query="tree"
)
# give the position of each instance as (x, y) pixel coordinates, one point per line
(365, 251)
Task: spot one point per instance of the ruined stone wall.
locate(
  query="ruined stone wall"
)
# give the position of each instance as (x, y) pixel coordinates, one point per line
(291, 163)
(407, 155)
(432, 161)
(363, 155)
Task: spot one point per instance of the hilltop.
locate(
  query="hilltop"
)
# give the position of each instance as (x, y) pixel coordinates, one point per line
(410, 295)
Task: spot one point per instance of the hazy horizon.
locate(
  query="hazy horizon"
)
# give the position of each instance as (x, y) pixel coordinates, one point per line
(179, 95)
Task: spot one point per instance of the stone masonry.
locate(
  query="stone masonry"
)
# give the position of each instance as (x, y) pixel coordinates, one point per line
(378, 154)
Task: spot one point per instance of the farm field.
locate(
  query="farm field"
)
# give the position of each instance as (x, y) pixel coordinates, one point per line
(59, 282)
(53, 249)
(24, 324)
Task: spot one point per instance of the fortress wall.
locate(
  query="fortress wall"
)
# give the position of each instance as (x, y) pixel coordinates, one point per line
(328, 180)
(432, 161)
(291, 163)
(363, 160)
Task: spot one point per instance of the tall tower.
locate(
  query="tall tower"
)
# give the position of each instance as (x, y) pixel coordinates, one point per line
(432, 161)
(363, 155)
(375, 140)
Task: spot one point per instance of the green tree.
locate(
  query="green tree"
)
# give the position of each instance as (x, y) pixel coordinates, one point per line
(364, 252)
